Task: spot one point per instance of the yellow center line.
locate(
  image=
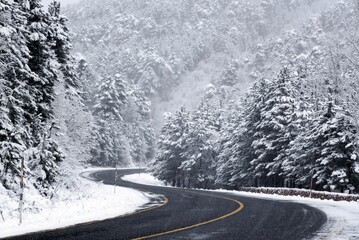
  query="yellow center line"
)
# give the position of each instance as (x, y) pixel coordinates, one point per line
(240, 207)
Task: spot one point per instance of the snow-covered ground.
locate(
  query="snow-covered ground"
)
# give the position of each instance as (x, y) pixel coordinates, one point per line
(143, 178)
(93, 201)
(343, 217)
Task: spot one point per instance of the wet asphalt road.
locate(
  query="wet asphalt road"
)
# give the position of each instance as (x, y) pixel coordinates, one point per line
(258, 219)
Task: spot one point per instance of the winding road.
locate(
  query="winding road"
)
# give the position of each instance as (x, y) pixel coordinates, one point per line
(194, 214)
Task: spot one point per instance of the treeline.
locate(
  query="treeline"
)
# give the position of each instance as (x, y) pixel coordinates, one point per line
(34, 57)
(295, 127)
(285, 139)
(277, 136)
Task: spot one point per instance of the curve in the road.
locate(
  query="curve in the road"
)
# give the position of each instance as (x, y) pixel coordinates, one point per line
(197, 215)
(94, 176)
(240, 207)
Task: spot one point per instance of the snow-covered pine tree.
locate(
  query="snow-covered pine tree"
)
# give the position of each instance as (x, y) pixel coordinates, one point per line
(14, 95)
(295, 169)
(12, 132)
(139, 132)
(224, 163)
(110, 98)
(272, 134)
(43, 159)
(42, 82)
(338, 158)
(327, 152)
(45, 67)
(236, 154)
(101, 151)
(171, 146)
(109, 102)
(59, 35)
(198, 165)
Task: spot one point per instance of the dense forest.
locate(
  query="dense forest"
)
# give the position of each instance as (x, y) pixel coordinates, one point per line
(205, 93)
(296, 126)
(259, 93)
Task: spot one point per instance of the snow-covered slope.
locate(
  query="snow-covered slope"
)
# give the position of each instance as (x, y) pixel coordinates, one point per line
(173, 50)
(89, 201)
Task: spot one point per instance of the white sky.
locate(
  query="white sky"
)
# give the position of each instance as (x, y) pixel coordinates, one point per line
(63, 2)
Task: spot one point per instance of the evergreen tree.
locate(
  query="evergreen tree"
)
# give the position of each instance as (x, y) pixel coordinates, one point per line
(140, 132)
(110, 98)
(224, 166)
(109, 102)
(42, 83)
(61, 46)
(44, 65)
(44, 158)
(198, 157)
(339, 155)
(171, 146)
(13, 92)
(328, 152)
(294, 166)
(236, 154)
(273, 134)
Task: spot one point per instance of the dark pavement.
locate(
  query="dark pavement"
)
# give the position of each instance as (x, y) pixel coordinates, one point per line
(259, 219)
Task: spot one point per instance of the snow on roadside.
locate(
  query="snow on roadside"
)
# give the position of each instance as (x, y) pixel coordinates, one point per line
(343, 217)
(94, 201)
(143, 178)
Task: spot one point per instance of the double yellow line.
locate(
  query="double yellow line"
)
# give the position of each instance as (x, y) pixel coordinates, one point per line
(239, 208)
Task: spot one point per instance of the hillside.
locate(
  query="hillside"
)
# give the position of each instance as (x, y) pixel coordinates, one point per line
(172, 51)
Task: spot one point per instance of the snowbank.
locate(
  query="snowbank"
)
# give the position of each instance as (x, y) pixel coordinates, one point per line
(93, 201)
(343, 217)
